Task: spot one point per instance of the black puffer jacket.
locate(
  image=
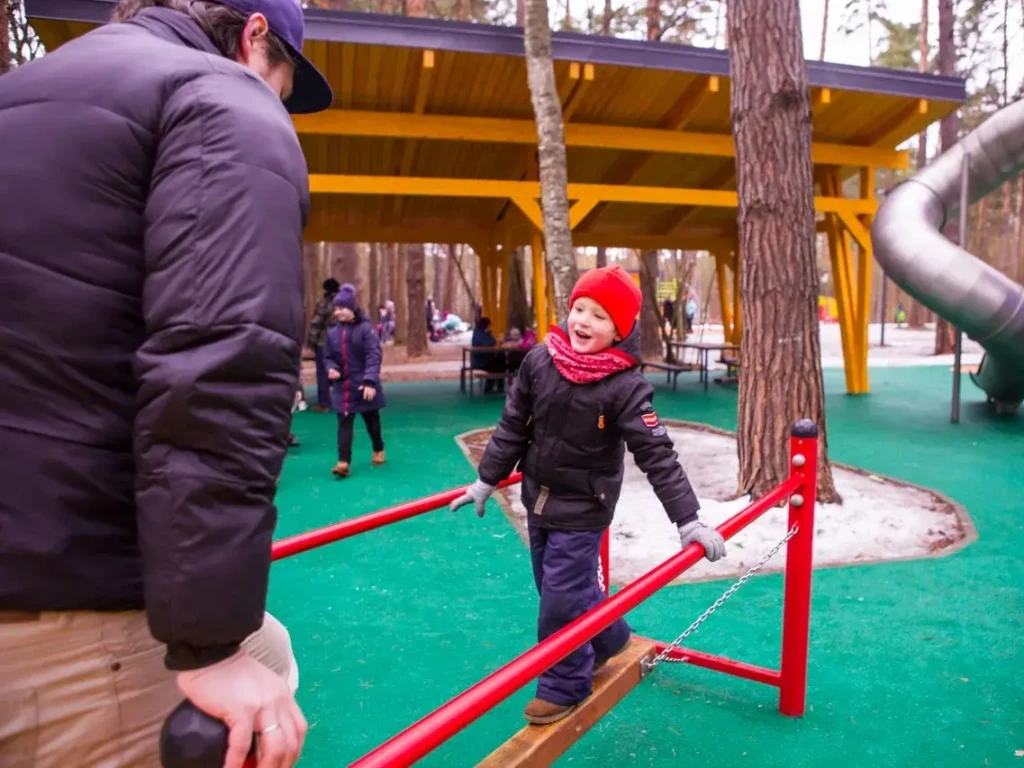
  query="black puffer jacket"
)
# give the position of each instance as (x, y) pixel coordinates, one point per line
(152, 200)
(569, 441)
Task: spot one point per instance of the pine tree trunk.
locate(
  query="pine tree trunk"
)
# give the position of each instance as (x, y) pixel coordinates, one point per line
(602, 258)
(6, 61)
(553, 174)
(374, 271)
(781, 378)
(400, 294)
(417, 308)
(438, 282)
(448, 299)
(518, 306)
(1019, 247)
(824, 32)
(949, 126)
(650, 316)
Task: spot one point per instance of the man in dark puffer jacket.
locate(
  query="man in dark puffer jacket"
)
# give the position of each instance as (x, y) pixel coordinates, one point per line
(152, 199)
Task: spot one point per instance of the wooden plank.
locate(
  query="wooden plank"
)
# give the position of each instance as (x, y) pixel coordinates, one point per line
(540, 745)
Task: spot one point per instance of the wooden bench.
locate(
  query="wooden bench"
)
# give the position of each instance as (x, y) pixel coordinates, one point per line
(732, 370)
(476, 374)
(536, 746)
(672, 370)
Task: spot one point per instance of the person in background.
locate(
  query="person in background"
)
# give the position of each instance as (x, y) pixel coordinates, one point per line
(323, 316)
(578, 402)
(143, 424)
(484, 361)
(353, 356)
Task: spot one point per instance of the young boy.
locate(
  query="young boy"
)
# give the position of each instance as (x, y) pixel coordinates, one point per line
(579, 400)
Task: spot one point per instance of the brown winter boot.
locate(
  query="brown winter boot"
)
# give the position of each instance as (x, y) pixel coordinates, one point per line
(600, 663)
(540, 712)
(340, 469)
(378, 458)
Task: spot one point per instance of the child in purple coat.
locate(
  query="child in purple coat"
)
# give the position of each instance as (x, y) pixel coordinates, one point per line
(353, 356)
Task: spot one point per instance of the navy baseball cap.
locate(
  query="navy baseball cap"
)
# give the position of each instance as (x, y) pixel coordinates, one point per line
(310, 89)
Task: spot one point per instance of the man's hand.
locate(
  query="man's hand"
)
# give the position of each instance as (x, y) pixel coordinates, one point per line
(368, 392)
(709, 538)
(249, 698)
(333, 374)
(478, 493)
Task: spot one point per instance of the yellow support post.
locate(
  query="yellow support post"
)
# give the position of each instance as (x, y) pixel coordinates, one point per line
(723, 295)
(540, 290)
(505, 263)
(867, 192)
(843, 287)
(855, 355)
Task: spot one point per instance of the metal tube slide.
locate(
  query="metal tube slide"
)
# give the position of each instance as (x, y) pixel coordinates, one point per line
(424, 736)
(908, 243)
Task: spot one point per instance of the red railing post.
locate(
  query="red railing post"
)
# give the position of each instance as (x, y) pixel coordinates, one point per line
(605, 564)
(796, 607)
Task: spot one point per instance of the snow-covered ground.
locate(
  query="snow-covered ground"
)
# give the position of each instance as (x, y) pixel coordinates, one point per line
(879, 519)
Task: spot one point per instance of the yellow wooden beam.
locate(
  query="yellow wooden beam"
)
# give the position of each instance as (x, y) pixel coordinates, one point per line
(580, 209)
(691, 100)
(723, 294)
(565, 87)
(855, 228)
(402, 125)
(540, 289)
(843, 281)
(572, 102)
(822, 99)
(488, 188)
(906, 122)
(531, 209)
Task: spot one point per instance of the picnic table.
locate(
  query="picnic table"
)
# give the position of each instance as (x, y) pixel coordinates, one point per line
(704, 350)
(484, 375)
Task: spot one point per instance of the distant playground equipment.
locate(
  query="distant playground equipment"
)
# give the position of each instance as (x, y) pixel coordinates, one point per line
(191, 739)
(828, 310)
(973, 296)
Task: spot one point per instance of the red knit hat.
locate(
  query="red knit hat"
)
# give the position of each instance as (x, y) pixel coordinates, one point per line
(613, 289)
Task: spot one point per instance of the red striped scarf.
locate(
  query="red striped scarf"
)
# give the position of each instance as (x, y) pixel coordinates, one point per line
(584, 369)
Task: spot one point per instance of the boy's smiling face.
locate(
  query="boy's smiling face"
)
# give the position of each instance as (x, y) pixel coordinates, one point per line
(591, 329)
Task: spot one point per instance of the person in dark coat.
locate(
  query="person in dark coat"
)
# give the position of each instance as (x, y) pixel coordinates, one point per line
(578, 401)
(153, 188)
(323, 316)
(483, 361)
(353, 356)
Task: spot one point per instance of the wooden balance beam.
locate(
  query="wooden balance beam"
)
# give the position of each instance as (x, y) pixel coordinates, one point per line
(540, 745)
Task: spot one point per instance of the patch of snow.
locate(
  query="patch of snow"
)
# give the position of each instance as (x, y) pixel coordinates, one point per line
(879, 519)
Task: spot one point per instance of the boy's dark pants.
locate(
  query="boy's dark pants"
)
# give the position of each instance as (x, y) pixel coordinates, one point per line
(345, 424)
(565, 568)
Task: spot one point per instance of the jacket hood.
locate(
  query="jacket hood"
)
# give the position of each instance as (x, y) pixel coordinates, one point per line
(629, 345)
(175, 27)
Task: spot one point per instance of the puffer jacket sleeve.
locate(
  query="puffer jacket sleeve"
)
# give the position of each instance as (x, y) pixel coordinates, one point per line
(332, 349)
(371, 343)
(222, 303)
(652, 449)
(511, 438)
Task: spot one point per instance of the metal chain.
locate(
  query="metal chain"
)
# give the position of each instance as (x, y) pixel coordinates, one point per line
(663, 656)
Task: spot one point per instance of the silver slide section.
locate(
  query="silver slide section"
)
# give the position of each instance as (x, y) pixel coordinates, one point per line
(908, 243)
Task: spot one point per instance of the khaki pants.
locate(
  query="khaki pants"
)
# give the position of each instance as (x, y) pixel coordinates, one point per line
(79, 688)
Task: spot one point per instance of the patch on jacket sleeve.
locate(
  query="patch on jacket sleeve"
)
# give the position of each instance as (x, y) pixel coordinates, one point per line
(650, 419)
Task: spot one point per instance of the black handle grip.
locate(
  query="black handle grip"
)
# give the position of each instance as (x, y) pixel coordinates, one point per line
(191, 738)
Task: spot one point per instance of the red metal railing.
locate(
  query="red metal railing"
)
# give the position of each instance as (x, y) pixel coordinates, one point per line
(303, 542)
(427, 734)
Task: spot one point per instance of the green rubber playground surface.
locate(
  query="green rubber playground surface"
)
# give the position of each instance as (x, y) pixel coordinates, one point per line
(912, 663)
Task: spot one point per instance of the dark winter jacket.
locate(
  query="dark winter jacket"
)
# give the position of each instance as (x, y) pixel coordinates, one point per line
(152, 200)
(353, 350)
(481, 361)
(569, 441)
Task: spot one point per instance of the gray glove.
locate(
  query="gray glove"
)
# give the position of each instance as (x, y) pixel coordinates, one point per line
(478, 493)
(709, 538)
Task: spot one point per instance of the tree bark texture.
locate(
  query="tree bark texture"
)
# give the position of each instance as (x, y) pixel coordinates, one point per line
(949, 128)
(438, 271)
(824, 32)
(553, 173)
(781, 378)
(6, 61)
(450, 293)
(650, 317)
(375, 301)
(416, 343)
(602, 258)
(400, 293)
